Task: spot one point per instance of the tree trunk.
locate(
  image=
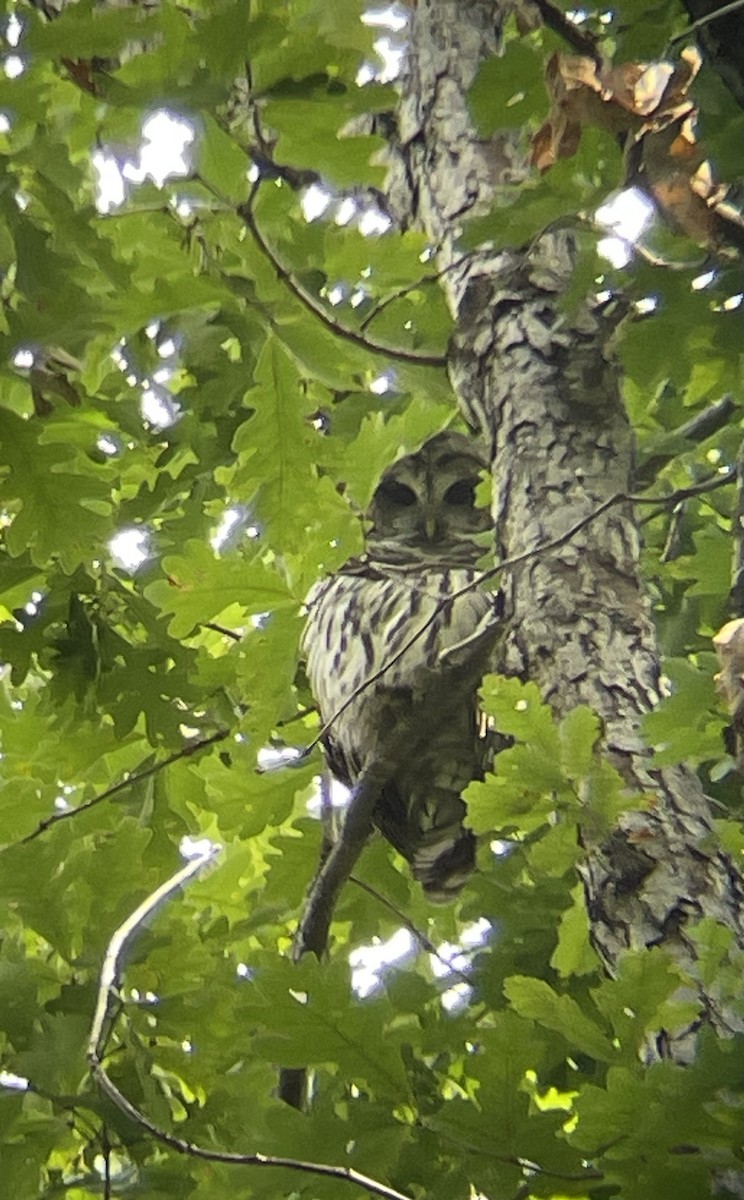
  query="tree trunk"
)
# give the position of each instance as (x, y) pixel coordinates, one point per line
(541, 387)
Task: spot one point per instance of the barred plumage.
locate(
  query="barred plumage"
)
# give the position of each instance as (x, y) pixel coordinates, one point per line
(420, 552)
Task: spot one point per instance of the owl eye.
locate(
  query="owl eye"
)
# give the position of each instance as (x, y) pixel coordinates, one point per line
(461, 493)
(398, 493)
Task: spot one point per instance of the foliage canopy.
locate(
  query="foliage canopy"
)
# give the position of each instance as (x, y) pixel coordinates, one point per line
(202, 364)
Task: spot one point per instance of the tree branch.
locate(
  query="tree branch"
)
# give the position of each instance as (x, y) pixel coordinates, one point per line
(100, 1031)
(424, 942)
(136, 777)
(555, 19)
(703, 425)
(335, 868)
(736, 596)
(245, 212)
(110, 970)
(724, 11)
(399, 293)
(312, 932)
(228, 633)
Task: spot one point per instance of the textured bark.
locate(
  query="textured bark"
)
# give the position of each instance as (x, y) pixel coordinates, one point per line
(541, 387)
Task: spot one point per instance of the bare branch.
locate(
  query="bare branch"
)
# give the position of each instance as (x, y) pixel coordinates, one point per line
(335, 868)
(245, 212)
(228, 633)
(678, 497)
(701, 22)
(181, 1146)
(97, 1041)
(110, 970)
(312, 932)
(703, 425)
(556, 19)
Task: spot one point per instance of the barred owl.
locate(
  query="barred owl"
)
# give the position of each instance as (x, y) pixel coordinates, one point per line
(420, 551)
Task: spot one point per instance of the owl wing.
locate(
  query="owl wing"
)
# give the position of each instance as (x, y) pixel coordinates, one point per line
(362, 619)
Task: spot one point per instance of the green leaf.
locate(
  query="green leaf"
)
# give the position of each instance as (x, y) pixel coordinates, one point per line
(579, 733)
(536, 1000)
(199, 587)
(45, 479)
(222, 162)
(574, 954)
(309, 122)
(508, 89)
(648, 994)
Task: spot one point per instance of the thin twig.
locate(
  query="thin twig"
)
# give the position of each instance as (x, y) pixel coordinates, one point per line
(465, 1147)
(703, 425)
(136, 777)
(672, 540)
(181, 1146)
(711, 484)
(658, 260)
(99, 1033)
(298, 716)
(424, 942)
(106, 1154)
(736, 595)
(228, 633)
(727, 9)
(555, 19)
(399, 293)
(245, 212)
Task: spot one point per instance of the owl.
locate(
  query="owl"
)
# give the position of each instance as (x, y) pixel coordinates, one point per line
(420, 552)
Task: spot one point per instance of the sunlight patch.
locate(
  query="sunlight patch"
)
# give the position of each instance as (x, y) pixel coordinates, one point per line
(615, 250)
(626, 214)
(368, 962)
(373, 222)
(338, 794)
(14, 1082)
(130, 548)
(314, 201)
(191, 848)
(110, 188)
(164, 153)
(165, 150)
(269, 758)
(13, 66)
(382, 383)
(158, 408)
(394, 18)
(345, 211)
(230, 518)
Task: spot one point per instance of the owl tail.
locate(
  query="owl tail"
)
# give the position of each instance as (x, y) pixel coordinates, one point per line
(425, 826)
(444, 867)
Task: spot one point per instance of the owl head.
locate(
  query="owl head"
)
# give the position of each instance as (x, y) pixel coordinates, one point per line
(425, 502)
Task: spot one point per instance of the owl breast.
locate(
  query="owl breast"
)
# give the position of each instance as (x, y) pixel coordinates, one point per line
(386, 644)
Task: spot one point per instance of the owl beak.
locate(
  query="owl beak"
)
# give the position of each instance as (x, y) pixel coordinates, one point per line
(430, 528)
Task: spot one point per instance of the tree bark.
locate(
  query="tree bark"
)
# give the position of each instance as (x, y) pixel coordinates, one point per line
(541, 388)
